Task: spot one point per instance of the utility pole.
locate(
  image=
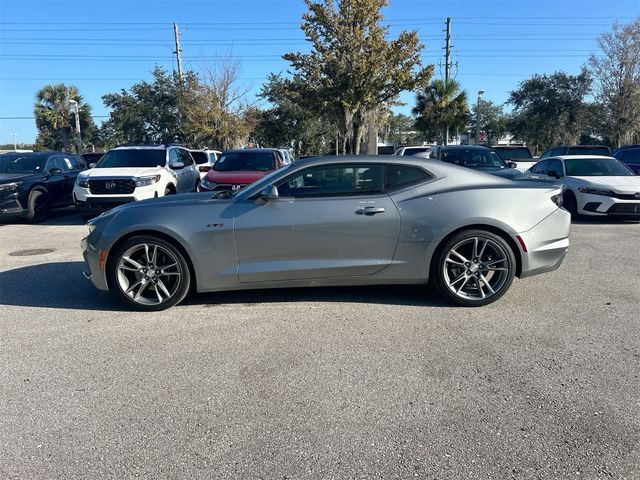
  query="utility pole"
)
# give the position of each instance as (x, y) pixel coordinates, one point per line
(76, 108)
(478, 116)
(178, 52)
(447, 67)
(15, 145)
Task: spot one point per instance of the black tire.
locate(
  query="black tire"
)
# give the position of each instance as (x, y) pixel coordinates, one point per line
(464, 241)
(169, 191)
(570, 203)
(38, 207)
(178, 291)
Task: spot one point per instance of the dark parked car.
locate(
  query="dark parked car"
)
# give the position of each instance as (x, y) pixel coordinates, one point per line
(91, 158)
(33, 183)
(577, 150)
(477, 157)
(630, 156)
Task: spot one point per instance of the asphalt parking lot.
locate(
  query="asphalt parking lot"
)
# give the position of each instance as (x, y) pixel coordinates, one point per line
(321, 383)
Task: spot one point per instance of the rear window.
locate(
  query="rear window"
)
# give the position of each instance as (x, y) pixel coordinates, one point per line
(514, 153)
(588, 151)
(413, 151)
(246, 161)
(200, 157)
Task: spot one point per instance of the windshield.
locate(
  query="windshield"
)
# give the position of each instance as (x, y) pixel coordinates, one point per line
(132, 158)
(245, 161)
(473, 158)
(22, 163)
(200, 157)
(597, 167)
(514, 153)
(588, 151)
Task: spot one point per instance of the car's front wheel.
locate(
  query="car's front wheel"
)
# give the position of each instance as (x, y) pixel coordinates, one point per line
(474, 268)
(149, 273)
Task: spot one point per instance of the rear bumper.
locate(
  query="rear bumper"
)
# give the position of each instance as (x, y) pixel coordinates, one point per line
(546, 243)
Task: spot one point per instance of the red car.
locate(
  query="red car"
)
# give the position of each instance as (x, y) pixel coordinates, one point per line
(236, 169)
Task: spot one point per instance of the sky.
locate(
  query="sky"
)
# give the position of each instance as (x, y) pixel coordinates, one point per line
(104, 46)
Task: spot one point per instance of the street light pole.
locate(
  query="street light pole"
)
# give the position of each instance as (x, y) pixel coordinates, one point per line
(15, 145)
(480, 93)
(76, 109)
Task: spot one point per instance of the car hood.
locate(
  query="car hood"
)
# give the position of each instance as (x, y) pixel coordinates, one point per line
(620, 184)
(120, 172)
(240, 177)
(14, 177)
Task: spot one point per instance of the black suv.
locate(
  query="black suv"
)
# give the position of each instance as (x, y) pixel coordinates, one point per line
(33, 183)
(478, 158)
(577, 150)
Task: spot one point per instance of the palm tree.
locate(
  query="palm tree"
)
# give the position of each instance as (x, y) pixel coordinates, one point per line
(441, 108)
(54, 119)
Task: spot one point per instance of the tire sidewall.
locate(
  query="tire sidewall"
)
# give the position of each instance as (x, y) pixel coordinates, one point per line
(37, 197)
(438, 265)
(185, 273)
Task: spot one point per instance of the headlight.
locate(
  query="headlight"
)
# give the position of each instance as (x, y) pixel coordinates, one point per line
(596, 191)
(82, 182)
(9, 187)
(207, 185)
(146, 181)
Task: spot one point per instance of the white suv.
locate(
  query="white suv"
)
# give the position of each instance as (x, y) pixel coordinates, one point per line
(128, 174)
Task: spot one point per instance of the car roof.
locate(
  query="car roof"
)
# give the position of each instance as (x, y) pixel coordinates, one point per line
(465, 147)
(508, 146)
(579, 157)
(46, 153)
(238, 150)
(144, 147)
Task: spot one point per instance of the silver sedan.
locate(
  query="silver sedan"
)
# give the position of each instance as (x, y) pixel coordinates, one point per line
(334, 221)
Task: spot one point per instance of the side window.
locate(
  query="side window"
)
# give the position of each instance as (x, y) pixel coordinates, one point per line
(185, 157)
(174, 157)
(399, 176)
(60, 162)
(79, 163)
(540, 167)
(555, 166)
(333, 181)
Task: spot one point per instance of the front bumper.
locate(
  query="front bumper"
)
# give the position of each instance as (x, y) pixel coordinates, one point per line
(93, 203)
(92, 271)
(547, 244)
(11, 207)
(602, 205)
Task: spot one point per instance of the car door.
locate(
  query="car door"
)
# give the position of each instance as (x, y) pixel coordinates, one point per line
(329, 221)
(177, 167)
(59, 184)
(191, 173)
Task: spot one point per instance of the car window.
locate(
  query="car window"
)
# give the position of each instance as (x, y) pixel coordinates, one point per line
(514, 153)
(555, 165)
(60, 162)
(399, 176)
(200, 157)
(540, 167)
(588, 151)
(597, 167)
(174, 157)
(629, 156)
(185, 157)
(331, 181)
(472, 158)
(247, 161)
(414, 151)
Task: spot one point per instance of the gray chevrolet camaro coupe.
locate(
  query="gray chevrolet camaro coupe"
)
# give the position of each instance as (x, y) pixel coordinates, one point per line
(334, 221)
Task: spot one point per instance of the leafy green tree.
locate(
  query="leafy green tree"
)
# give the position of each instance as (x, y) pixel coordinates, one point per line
(150, 112)
(400, 129)
(352, 70)
(493, 120)
(617, 81)
(441, 107)
(550, 110)
(55, 121)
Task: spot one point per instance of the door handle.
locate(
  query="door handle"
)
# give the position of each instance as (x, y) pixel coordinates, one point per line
(370, 210)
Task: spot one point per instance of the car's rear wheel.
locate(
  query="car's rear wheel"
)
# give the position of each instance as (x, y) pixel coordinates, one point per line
(149, 273)
(38, 206)
(474, 268)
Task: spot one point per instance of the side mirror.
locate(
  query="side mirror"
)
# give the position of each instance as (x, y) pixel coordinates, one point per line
(55, 171)
(92, 165)
(269, 193)
(512, 165)
(553, 173)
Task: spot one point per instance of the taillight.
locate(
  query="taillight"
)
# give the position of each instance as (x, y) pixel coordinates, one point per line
(204, 168)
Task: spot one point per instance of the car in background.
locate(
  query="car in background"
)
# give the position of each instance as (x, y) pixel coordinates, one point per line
(132, 173)
(328, 221)
(477, 157)
(593, 185)
(415, 150)
(236, 169)
(576, 150)
(31, 184)
(91, 158)
(630, 156)
(205, 159)
(518, 154)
